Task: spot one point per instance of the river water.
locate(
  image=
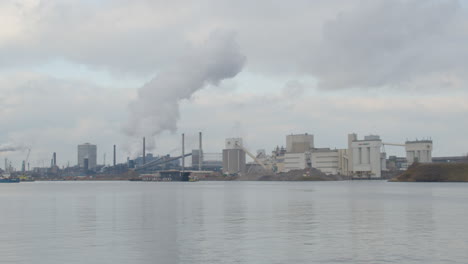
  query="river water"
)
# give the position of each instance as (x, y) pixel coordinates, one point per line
(233, 222)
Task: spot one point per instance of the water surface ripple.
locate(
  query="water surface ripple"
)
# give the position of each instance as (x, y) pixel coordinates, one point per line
(233, 222)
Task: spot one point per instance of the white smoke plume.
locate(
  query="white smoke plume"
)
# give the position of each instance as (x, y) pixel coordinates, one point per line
(156, 108)
(10, 147)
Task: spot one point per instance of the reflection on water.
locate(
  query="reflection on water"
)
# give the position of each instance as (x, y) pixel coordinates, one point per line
(233, 222)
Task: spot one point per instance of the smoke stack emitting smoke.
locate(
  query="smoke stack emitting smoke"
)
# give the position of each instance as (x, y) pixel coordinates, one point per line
(156, 108)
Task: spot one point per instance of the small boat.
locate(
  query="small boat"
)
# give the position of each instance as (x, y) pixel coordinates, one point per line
(9, 180)
(6, 178)
(135, 179)
(25, 178)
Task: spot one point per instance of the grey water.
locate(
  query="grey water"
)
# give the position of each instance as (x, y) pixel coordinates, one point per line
(233, 222)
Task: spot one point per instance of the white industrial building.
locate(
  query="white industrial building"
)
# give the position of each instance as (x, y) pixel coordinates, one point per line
(363, 158)
(299, 143)
(298, 148)
(366, 157)
(87, 155)
(233, 156)
(418, 151)
(296, 161)
(326, 160)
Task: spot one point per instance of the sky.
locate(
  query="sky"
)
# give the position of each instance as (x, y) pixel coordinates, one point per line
(110, 72)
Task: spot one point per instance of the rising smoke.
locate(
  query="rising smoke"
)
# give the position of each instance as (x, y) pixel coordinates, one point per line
(156, 108)
(11, 147)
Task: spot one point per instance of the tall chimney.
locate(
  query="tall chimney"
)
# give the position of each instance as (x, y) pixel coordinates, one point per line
(200, 155)
(144, 151)
(183, 152)
(55, 159)
(114, 155)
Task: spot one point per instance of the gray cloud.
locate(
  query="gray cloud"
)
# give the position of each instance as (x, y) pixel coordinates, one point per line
(366, 43)
(417, 45)
(392, 43)
(142, 36)
(157, 107)
(49, 115)
(120, 36)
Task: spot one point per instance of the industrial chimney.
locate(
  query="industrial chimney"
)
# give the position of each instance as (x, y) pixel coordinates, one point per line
(86, 164)
(114, 155)
(200, 155)
(144, 151)
(183, 152)
(55, 159)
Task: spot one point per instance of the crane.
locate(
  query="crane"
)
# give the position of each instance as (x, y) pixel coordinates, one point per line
(27, 159)
(252, 156)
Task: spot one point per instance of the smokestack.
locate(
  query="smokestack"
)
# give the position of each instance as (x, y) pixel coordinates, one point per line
(6, 165)
(114, 155)
(23, 166)
(200, 153)
(183, 152)
(55, 159)
(144, 151)
(86, 164)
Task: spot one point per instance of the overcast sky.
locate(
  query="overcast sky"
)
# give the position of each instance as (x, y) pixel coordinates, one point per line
(111, 71)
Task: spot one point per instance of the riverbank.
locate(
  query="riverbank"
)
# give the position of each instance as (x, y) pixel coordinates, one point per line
(294, 175)
(434, 172)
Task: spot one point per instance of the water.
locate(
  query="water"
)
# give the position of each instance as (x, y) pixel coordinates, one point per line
(233, 222)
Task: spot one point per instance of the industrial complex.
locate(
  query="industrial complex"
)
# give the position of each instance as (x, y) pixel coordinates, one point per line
(363, 158)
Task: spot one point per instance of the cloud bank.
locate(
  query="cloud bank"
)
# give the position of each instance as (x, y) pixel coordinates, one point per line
(387, 43)
(388, 60)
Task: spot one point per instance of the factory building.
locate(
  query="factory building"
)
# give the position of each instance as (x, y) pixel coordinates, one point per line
(233, 156)
(418, 151)
(297, 156)
(365, 157)
(87, 156)
(326, 160)
(296, 161)
(397, 163)
(140, 161)
(343, 162)
(197, 158)
(277, 159)
(299, 143)
(209, 161)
